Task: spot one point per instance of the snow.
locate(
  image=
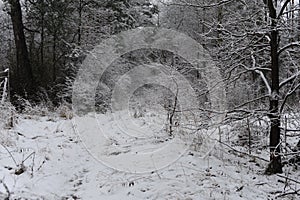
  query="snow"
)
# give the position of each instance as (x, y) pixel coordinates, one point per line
(58, 165)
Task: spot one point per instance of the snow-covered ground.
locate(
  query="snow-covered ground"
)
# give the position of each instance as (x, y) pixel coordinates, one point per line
(44, 158)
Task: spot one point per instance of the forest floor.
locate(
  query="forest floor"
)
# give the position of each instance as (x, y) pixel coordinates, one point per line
(42, 157)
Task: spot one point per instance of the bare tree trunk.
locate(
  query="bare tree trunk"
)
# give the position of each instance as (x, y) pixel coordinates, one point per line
(54, 57)
(275, 165)
(21, 78)
(79, 29)
(219, 20)
(42, 35)
(298, 25)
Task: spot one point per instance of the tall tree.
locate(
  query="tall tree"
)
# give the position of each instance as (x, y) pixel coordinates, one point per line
(21, 78)
(274, 115)
(255, 46)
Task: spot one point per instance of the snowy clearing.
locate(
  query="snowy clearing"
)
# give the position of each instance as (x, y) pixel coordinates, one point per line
(46, 160)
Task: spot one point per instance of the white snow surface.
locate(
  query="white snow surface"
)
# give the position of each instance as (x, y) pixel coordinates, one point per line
(57, 165)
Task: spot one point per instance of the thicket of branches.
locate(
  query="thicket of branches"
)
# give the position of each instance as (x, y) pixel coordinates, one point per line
(256, 45)
(57, 36)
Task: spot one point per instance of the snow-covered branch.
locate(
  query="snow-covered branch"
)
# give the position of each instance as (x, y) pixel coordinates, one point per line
(264, 80)
(263, 77)
(186, 4)
(283, 8)
(291, 91)
(293, 44)
(291, 78)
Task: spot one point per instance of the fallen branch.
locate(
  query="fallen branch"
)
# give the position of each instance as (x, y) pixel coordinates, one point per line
(288, 178)
(6, 189)
(289, 193)
(244, 153)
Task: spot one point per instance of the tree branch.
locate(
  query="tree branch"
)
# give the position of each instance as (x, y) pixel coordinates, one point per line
(282, 8)
(196, 5)
(288, 95)
(244, 153)
(261, 74)
(289, 79)
(293, 44)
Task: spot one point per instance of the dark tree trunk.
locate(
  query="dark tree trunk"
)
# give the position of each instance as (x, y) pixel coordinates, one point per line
(21, 79)
(42, 37)
(79, 29)
(298, 27)
(275, 165)
(54, 58)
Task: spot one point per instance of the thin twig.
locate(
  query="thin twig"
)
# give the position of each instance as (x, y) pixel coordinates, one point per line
(10, 155)
(244, 153)
(6, 189)
(288, 193)
(288, 178)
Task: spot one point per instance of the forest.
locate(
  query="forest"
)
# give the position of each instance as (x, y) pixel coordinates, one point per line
(169, 99)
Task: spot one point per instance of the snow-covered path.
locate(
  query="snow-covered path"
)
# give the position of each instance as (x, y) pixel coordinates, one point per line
(58, 166)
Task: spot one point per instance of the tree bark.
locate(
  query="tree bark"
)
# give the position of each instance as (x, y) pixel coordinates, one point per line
(275, 165)
(79, 29)
(298, 26)
(21, 78)
(42, 36)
